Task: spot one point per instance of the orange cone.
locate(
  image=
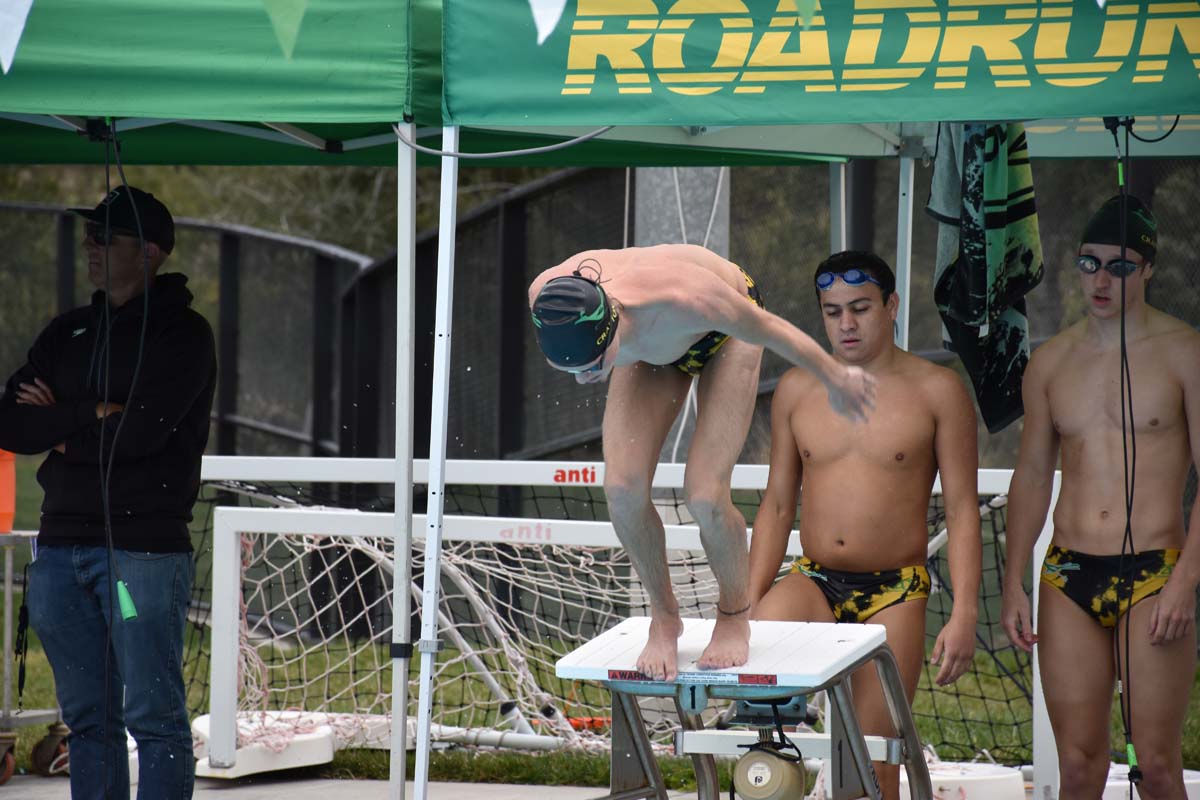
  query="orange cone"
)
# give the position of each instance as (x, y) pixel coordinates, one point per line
(8, 490)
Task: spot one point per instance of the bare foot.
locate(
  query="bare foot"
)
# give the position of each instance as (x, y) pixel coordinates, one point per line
(730, 644)
(660, 659)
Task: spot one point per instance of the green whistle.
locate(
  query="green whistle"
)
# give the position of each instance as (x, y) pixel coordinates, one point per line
(128, 609)
(1132, 756)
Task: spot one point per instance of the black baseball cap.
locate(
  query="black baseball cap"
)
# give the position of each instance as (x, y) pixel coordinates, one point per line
(158, 225)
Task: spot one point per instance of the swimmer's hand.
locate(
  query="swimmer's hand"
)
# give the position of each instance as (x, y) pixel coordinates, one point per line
(852, 393)
(1174, 612)
(1017, 617)
(954, 649)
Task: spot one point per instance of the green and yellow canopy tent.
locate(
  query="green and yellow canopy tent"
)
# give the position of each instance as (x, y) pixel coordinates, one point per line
(801, 76)
(687, 82)
(254, 82)
(682, 82)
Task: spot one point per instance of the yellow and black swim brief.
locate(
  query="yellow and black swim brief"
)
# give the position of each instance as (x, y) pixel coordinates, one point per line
(1093, 581)
(699, 354)
(858, 596)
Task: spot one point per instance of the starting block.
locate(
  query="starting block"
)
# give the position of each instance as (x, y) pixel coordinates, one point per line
(788, 660)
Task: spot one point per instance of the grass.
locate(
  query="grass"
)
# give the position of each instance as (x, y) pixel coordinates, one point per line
(562, 768)
(467, 765)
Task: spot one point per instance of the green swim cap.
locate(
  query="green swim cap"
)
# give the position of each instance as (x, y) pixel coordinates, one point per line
(574, 321)
(1141, 228)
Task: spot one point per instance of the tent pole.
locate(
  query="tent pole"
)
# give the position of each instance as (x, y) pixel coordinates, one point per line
(428, 646)
(406, 204)
(1045, 753)
(904, 217)
(837, 207)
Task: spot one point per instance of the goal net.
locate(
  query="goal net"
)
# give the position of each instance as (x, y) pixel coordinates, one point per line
(531, 570)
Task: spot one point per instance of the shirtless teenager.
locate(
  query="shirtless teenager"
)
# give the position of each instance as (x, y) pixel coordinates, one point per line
(1073, 401)
(652, 318)
(865, 493)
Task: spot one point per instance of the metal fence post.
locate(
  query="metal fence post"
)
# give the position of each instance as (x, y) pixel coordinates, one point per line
(227, 343)
(66, 262)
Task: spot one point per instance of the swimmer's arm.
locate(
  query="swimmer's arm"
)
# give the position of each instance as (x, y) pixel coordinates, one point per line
(1033, 479)
(958, 464)
(1188, 566)
(726, 310)
(1174, 609)
(777, 512)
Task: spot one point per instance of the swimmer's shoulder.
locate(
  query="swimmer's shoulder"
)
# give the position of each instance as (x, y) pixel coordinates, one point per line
(1050, 356)
(1175, 332)
(796, 385)
(938, 384)
(1176, 344)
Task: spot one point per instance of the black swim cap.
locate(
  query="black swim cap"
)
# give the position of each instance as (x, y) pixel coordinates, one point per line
(574, 321)
(1141, 229)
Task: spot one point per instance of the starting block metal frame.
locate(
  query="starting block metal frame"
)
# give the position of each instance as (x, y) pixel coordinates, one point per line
(786, 659)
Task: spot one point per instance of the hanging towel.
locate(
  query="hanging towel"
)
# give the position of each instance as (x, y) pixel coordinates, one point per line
(989, 255)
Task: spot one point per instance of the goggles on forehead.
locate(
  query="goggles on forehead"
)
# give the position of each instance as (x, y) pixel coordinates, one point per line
(851, 277)
(1118, 267)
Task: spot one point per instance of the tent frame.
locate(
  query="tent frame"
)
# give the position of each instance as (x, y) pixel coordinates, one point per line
(1045, 760)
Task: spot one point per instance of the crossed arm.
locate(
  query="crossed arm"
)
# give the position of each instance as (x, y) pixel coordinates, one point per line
(31, 420)
(176, 369)
(39, 394)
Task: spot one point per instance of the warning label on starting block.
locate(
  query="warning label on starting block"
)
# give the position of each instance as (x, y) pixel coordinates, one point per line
(708, 678)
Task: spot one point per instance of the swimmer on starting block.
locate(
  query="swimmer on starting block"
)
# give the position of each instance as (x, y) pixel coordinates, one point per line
(865, 494)
(653, 318)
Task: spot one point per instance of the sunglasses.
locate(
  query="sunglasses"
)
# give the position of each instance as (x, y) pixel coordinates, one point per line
(851, 277)
(1118, 267)
(102, 237)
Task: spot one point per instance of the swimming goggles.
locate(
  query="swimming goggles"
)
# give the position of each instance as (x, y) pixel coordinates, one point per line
(1118, 267)
(597, 365)
(851, 277)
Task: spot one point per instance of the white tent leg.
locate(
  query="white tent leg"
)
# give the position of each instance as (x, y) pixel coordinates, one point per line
(447, 226)
(406, 205)
(837, 207)
(1045, 755)
(904, 248)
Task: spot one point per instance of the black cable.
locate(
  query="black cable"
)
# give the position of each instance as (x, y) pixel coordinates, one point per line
(117, 587)
(1129, 131)
(108, 541)
(1129, 461)
(774, 748)
(21, 646)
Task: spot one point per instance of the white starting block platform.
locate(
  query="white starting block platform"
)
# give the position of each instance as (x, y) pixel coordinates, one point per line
(786, 659)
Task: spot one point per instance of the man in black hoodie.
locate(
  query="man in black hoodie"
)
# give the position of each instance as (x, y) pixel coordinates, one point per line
(119, 392)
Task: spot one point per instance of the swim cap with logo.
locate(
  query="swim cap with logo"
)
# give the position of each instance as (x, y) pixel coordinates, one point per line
(574, 321)
(1141, 229)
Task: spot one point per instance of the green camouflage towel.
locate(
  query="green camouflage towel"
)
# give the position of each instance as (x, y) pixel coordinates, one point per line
(989, 256)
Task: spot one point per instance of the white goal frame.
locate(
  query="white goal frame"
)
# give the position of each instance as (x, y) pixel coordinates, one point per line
(230, 522)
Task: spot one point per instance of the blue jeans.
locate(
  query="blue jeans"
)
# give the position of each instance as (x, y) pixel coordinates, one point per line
(69, 596)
